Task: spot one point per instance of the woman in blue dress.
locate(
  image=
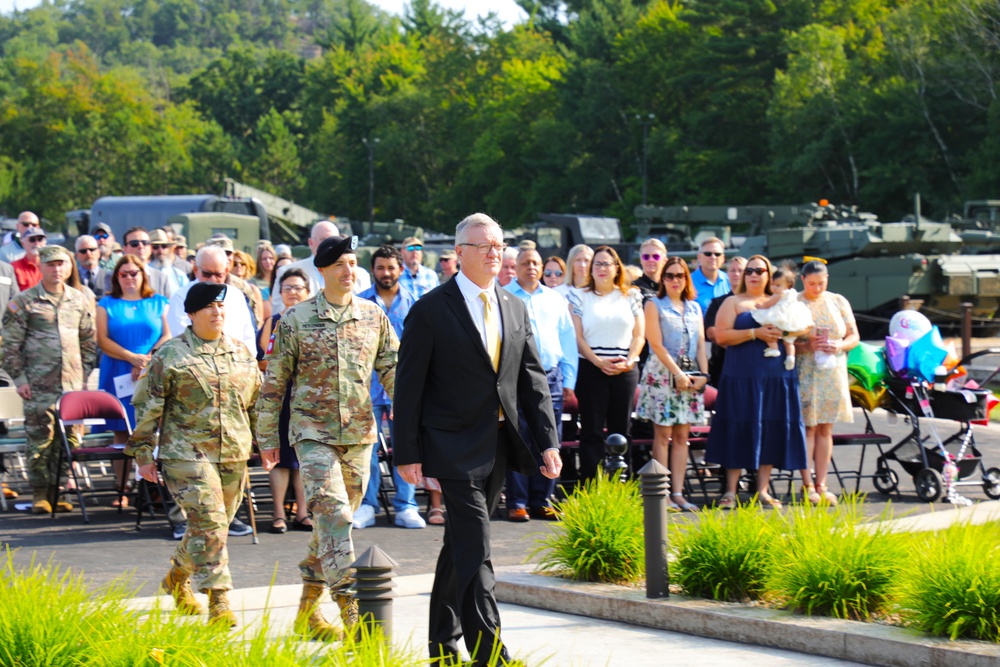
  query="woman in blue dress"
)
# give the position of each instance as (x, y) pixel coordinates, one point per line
(758, 418)
(131, 322)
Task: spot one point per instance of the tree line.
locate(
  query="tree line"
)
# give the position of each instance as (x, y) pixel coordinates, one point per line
(862, 102)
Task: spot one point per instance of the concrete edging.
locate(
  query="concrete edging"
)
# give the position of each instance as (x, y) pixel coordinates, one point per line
(869, 643)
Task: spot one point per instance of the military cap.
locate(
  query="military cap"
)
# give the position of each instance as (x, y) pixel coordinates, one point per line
(222, 241)
(449, 254)
(413, 240)
(330, 249)
(158, 237)
(527, 244)
(101, 227)
(201, 295)
(54, 253)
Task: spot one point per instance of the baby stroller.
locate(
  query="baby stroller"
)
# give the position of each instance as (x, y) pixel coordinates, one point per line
(923, 454)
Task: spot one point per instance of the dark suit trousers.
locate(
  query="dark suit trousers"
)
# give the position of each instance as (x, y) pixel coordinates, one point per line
(462, 599)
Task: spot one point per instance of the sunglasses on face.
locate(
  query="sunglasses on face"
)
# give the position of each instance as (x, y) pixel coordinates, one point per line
(654, 256)
(212, 274)
(100, 236)
(36, 239)
(136, 243)
(557, 273)
(128, 274)
(713, 254)
(673, 276)
(413, 248)
(94, 249)
(757, 271)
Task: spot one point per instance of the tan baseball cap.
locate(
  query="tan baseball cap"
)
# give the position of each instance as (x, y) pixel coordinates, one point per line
(223, 242)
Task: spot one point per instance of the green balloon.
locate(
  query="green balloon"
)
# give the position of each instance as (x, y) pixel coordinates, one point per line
(867, 363)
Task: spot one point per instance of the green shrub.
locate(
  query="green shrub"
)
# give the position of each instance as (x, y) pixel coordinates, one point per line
(726, 555)
(600, 534)
(835, 565)
(951, 585)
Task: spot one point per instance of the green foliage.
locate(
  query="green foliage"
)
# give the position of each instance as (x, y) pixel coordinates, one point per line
(833, 564)
(951, 585)
(727, 555)
(600, 534)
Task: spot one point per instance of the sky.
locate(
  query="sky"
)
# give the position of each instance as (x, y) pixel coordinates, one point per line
(508, 11)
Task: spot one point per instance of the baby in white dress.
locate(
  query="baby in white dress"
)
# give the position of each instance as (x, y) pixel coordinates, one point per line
(785, 311)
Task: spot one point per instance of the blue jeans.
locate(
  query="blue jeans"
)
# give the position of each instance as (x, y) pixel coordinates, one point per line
(405, 497)
(534, 490)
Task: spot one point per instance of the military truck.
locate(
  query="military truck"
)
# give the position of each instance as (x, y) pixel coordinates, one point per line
(872, 263)
(556, 233)
(197, 228)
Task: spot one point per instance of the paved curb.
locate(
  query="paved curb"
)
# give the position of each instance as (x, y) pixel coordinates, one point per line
(868, 643)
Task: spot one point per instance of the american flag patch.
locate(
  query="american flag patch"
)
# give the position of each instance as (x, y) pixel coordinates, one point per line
(270, 345)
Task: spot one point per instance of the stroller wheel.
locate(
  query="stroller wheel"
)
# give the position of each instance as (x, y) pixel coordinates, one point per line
(929, 483)
(991, 483)
(885, 480)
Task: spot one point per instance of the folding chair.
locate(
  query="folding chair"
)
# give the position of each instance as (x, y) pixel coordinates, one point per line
(11, 442)
(89, 408)
(387, 483)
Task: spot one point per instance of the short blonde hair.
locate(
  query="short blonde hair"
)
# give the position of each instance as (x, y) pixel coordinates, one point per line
(654, 242)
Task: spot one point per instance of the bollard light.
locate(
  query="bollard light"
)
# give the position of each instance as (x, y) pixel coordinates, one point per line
(374, 584)
(654, 485)
(615, 447)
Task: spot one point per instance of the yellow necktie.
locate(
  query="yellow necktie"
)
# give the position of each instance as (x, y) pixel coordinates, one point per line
(492, 331)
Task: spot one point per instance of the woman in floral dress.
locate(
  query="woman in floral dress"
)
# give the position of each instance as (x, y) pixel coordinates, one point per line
(823, 384)
(668, 396)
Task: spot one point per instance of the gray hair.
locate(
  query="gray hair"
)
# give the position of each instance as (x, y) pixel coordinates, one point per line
(475, 220)
(210, 251)
(511, 253)
(84, 237)
(814, 267)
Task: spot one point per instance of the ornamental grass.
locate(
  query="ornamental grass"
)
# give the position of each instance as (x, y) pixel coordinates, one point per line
(599, 536)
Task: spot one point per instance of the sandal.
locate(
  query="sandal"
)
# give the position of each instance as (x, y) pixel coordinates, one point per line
(121, 501)
(727, 501)
(769, 501)
(809, 493)
(827, 497)
(279, 527)
(435, 516)
(683, 506)
(305, 525)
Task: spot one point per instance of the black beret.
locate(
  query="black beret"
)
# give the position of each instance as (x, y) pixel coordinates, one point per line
(201, 295)
(330, 249)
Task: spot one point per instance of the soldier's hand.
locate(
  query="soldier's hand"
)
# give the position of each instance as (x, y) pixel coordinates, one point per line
(553, 463)
(269, 458)
(412, 473)
(24, 391)
(148, 472)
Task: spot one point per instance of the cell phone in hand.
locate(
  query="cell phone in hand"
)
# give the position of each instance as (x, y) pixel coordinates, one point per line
(822, 334)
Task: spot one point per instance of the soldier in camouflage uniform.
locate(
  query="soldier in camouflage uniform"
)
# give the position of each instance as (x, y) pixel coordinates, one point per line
(327, 348)
(49, 347)
(199, 391)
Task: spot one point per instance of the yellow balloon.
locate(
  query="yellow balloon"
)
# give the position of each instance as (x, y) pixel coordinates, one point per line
(869, 399)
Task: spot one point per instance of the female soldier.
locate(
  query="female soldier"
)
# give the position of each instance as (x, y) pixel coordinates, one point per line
(199, 391)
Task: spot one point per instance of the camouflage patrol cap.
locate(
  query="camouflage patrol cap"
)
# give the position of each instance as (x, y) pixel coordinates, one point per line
(330, 250)
(54, 253)
(448, 254)
(222, 241)
(201, 295)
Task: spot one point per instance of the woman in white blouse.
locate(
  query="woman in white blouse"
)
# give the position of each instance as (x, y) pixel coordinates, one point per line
(607, 314)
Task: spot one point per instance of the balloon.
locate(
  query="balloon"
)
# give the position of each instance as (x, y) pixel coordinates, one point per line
(951, 360)
(867, 363)
(909, 325)
(926, 354)
(896, 350)
(991, 402)
(869, 399)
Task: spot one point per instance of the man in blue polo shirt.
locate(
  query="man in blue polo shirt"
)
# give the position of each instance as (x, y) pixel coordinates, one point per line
(528, 495)
(415, 277)
(708, 279)
(395, 300)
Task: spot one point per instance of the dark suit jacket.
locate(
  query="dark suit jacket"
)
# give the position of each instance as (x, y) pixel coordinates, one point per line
(102, 281)
(447, 394)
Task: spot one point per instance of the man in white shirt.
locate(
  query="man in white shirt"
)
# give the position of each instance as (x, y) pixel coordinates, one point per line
(12, 250)
(212, 266)
(321, 231)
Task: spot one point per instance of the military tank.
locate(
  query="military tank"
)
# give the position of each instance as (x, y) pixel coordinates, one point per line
(872, 263)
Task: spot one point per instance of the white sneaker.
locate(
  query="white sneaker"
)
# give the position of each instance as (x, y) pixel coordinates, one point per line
(364, 517)
(410, 518)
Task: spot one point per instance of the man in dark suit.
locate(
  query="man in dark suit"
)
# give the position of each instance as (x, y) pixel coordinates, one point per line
(88, 261)
(466, 359)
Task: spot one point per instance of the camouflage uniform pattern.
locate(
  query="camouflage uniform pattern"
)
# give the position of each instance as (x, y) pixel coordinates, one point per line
(254, 297)
(329, 362)
(335, 479)
(201, 396)
(50, 344)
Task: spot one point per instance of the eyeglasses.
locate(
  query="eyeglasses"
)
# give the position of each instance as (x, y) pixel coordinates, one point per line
(557, 273)
(484, 248)
(603, 265)
(94, 249)
(673, 276)
(758, 271)
(100, 236)
(127, 274)
(655, 257)
(713, 254)
(136, 243)
(294, 289)
(413, 248)
(212, 274)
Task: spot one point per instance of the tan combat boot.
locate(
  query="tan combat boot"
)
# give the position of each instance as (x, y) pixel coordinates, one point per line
(40, 501)
(348, 611)
(218, 609)
(178, 584)
(309, 620)
(63, 504)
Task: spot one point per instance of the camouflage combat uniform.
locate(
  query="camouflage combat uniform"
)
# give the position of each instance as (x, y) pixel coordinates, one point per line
(328, 356)
(49, 343)
(201, 396)
(255, 300)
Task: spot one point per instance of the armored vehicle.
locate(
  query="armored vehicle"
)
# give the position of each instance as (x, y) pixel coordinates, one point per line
(555, 234)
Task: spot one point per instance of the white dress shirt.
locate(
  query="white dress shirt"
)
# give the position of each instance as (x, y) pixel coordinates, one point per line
(471, 292)
(362, 281)
(238, 325)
